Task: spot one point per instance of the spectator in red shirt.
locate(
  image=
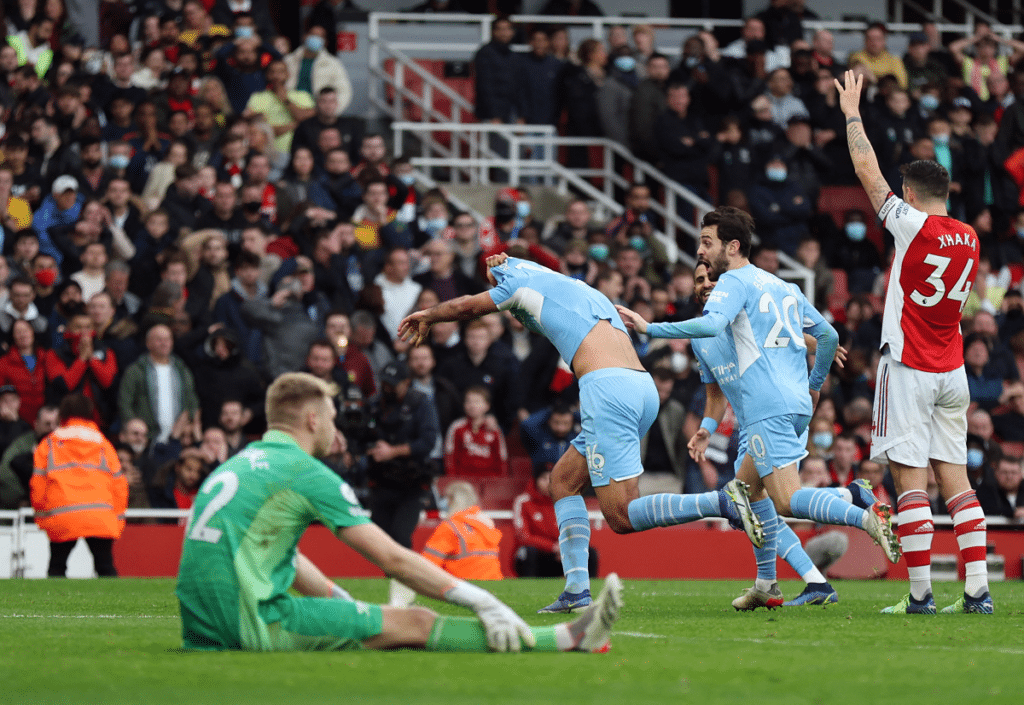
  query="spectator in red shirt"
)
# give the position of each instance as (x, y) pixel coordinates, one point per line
(475, 444)
(533, 516)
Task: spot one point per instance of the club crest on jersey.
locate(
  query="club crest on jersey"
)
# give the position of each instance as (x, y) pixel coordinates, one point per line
(958, 239)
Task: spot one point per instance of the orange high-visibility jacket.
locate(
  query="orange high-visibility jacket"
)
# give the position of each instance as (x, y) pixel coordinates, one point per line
(466, 547)
(77, 486)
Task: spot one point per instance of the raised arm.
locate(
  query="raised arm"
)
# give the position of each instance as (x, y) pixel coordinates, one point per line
(864, 160)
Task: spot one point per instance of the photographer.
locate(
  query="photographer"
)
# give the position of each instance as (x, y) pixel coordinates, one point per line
(398, 465)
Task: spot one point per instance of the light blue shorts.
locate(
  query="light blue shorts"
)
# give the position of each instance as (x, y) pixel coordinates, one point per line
(775, 442)
(618, 407)
(741, 451)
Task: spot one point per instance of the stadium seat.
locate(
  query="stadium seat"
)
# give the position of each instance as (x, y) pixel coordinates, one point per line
(836, 200)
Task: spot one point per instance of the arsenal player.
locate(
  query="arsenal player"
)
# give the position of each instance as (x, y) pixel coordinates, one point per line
(921, 395)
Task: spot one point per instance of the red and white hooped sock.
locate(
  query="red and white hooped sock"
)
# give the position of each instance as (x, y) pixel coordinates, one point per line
(969, 526)
(915, 529)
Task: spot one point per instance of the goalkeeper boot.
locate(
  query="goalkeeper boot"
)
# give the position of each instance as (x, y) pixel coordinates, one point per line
(567, 602)
(814, 594)
(971, 605)
(879, 527)
(734, 501)
(754, 597)
(908, 605)
(592, 630)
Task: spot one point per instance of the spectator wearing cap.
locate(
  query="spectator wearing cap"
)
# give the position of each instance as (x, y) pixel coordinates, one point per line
(399, 468)
(960, 115)
(986, 61)
(781, 207)
(876, 57)
(922, 68)
(61, 208)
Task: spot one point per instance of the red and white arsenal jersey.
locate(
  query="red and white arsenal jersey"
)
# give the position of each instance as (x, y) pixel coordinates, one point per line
(932, 275)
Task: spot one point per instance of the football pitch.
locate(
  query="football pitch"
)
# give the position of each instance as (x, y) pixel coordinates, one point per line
(116, 641)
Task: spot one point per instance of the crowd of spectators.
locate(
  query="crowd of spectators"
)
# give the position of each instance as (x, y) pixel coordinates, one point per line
(188, 211)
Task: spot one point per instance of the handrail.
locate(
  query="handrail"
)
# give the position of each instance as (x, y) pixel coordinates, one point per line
(599, 24)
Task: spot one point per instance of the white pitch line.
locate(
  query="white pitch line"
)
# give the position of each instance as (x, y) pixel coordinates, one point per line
(805, 644)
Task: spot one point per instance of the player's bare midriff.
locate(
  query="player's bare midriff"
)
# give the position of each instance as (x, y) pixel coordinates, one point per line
(605, 346)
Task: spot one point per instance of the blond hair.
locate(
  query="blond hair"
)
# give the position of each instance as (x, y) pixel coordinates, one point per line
(289, 393)
(461, 495)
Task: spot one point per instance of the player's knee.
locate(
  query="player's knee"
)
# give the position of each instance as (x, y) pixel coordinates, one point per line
(416, 624)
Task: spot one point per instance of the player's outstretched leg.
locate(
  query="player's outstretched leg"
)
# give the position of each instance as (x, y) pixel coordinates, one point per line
(969, 526)
(574, 544)
(818, 590)
(826, 506)
(665, 509)
(590, 632)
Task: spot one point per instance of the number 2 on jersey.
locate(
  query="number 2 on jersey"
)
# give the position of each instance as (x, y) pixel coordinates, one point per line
(782, 318)
(228, 482)
(961, 290)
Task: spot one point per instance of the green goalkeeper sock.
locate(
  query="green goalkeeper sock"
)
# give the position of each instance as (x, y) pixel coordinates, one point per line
(468, 634)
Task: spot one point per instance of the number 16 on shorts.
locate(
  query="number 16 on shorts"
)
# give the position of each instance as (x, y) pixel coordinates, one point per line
(595, 461)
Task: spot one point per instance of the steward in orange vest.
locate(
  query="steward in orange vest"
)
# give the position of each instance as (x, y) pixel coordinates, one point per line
(466, 544)
(78, 489)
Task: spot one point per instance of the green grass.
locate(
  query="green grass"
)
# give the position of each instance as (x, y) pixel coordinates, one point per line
(676, 642)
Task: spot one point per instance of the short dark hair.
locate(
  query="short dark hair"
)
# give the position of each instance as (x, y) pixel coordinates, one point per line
(76, 406)
(928, 178)
(732, 224)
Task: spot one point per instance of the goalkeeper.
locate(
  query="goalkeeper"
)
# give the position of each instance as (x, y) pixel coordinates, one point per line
(239, 558)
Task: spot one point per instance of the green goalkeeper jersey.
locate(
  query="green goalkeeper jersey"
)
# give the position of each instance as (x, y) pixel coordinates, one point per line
(238, 557)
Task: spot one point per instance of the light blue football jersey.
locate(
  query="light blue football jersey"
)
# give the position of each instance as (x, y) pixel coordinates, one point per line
(716, 358)
(765, 342)
(561, 309)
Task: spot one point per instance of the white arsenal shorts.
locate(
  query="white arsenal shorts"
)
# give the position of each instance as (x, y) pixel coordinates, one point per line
(919, 415)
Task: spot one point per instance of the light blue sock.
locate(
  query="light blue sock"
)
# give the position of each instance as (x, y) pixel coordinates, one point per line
(789, 548)
(574, 541)
(765, 556)
(840, 492)
(671, 509)
(825, 507)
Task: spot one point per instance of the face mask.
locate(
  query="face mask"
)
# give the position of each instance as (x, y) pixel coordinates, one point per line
(822, 439)
(692, 61)
(638, 243)
(775, 174)
(1020, 233)
(856, 231)
(314, 43)
(599, 252)
(436, 225)
(625, 63)
(244, 32)
(975, 458)
(679, 362)
(252, 206)
(929, 102)
(46, 277)
(523, 209)
(407, 179)
(940, 139)
(118, 161)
